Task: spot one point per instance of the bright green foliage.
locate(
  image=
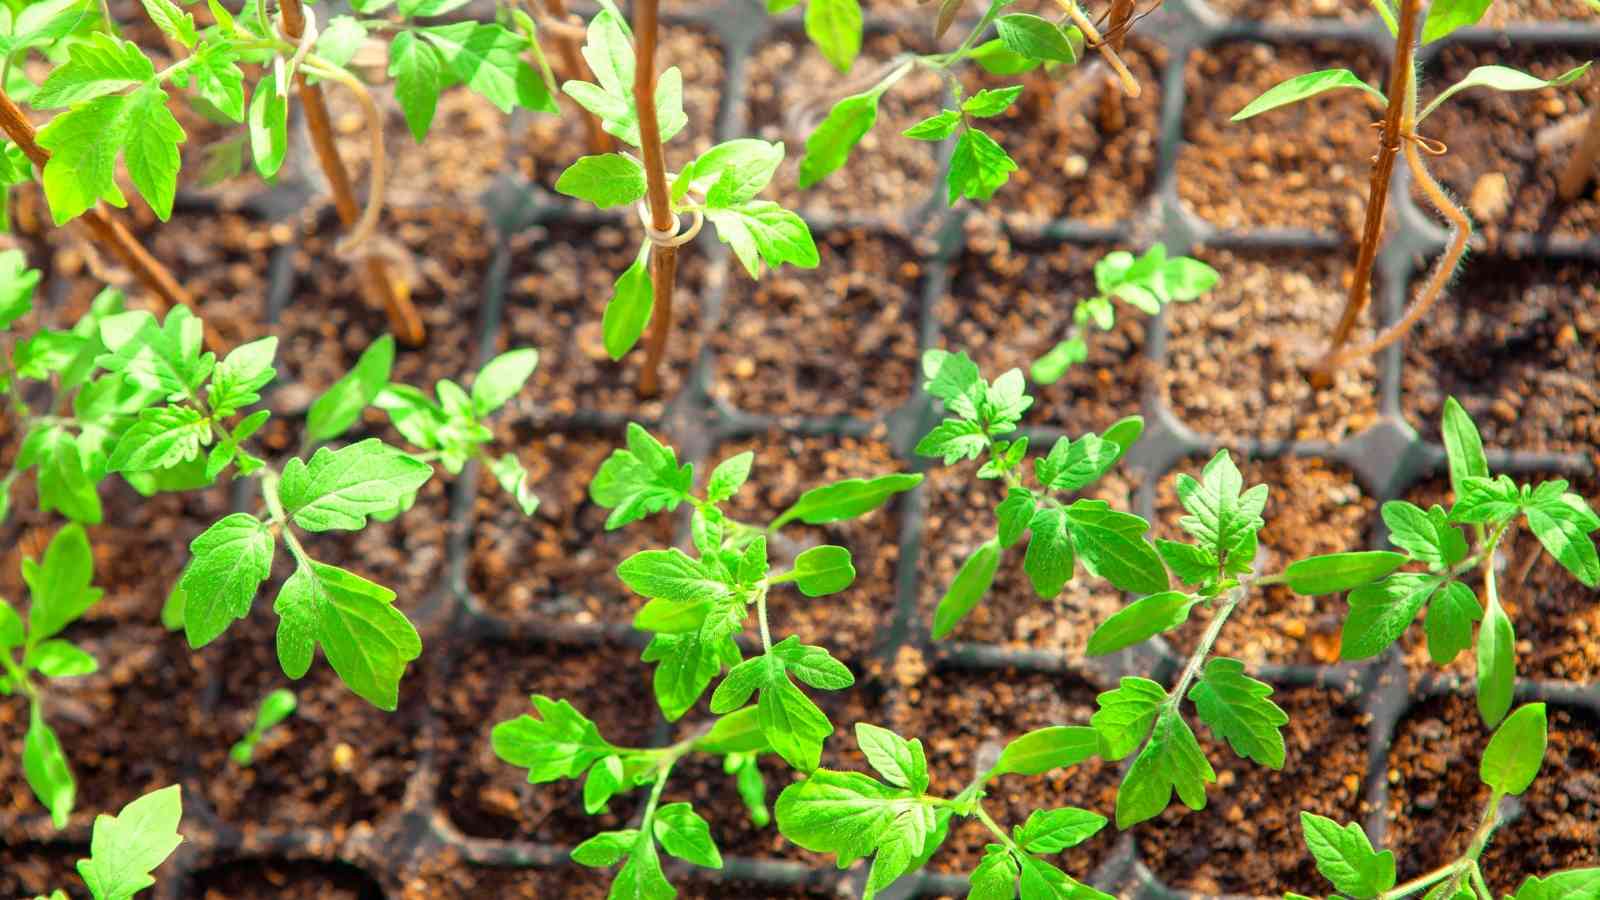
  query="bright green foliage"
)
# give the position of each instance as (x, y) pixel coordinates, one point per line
(609, 52)
(1053, 747)
(835, 27)
(1236, 707)
(1032, 37)
(1302, 87)
(1516, 751)
(1171, 761)
(829, 144)
(274, 708)
(1345, 857)
(365, 639)
(641, 480)
(1445, 16)
(338, 489)
(340, 406)
(124, 849)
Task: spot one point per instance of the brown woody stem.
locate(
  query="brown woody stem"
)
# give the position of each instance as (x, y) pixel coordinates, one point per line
(572, 62)
(1580, 167)
(1130, 85)
(1382, 174)
(663, 257)
(378, 282)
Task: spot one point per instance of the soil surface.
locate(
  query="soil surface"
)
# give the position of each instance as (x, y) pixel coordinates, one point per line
(837, 341)
(1294, 11)
(1303, 166)
(1237, 357)
(261, 880)
(1436, 797)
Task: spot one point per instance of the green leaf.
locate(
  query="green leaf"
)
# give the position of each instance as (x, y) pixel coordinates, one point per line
(340, 406)
(991, 101)
(1170, 762)
(1014, 514)
(812, 665)
(1237, 707)
(995, 878)
(268, 120)
(1338, 572)
(164, 436)
(559, 743)
(729, 476)
(671, 575)
(823, 570)
(734, 171)
(56, 658)
(828, 146)
(628, 310)
(1502, 78)
(84, 143)
(902, 763)
(1497, 664)
(994, 57)
(1223, 517)
(1036, 38)
(12, 632)
(641, 877)
(685, 835)
(64, 484)
(762, 231)
(687, 663)
(17, 282)
(165, 359)
(1043, 749)
(1486, 501)
(1125, 715)
(1463, 446)
(835, 27)
(1049, 559)
(1141, 620)
(641, 480)
(366, 640)
(151, 153)
(739, 732)
(843, 813)
(936, 127)
(1449, 622)
(978, 168)
(845, 499)
(59, 587)
(606, 180)
(1426, 535)
(1302, 87)
(243, 372)
(1574, 884)
(605, 849)
(954, 440)
(487, 58)
(173, 21)
(1562, 522)
(603, 781)
(219, 81)
(45, 768)
(501, 379)
(99, 65)
(970, 585)
(230, 561)
(417, 72)
(338, 489)
(1516, 751)
(1055, 830)
(127, 847)
(1072, 465)
(1111, 545)
(1445, 16)
(1381, 612)
(1345, 857)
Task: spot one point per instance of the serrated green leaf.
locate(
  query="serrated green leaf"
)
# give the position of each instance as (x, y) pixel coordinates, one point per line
(1381, 612)
(366, 640)
(1563, 523)
(1111, 545)
(685, 835)
(416, 69)
(605, 849)
(1222, 515)
(935, 127)
(828, 146)
(244, 371)
(99, 65)
(487, 58)
(978, 168)
(671, 575)
(643, 479)
(1345, 857)
(1426, 534)
(1125, 715)
(902, 763)
(559, 743)
(1055, 830)
(762, 231)
(995, 878)
(230, 561)
(842, 813)
(338, 489)
(1574, 884)
(1238, 708)
(1449, 622)
(126, 848)
(1170, 762)
(501, 379)
(991, 101)
(835, 27)
(1036, 38)
(606, 180)
(1049, 559)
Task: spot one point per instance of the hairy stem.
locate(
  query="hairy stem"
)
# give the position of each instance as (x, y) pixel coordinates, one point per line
(995, 829)
(1580, 166)
(1400, 81)
(1130, 85)
(663, 258)
(1421, 881)
(1203, 649)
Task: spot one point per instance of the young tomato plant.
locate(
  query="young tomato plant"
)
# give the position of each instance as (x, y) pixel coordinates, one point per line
(895, 821)
(1400, 136)
(125, 848)
(1509, 765)
(720, 186)
(1384, 601)
(274, 708)
(1147, 283)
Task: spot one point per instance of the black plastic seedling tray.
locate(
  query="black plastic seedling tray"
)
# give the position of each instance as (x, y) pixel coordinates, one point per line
(1387, 459)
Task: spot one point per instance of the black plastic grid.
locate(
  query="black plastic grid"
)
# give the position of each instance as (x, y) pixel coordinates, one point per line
(1388, 459)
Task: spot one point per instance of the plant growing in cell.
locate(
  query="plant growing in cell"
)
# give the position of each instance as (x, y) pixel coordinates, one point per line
(1443, 555)
(1400, 136)
(1147, 283)
(1509, 765)
(125, 848)
(274, 708)
(979, 165)
(697, 606)
(894, 820)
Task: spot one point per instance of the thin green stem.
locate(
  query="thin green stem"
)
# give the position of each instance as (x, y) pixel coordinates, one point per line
(1421, 881)
(19, 678)
(983, 816)
(1203, 649)
(1475, 874)
(761, 616)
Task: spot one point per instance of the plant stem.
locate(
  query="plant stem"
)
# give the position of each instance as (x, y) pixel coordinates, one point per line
(1203, 649)
(572, 62)
(19, 678)
(1113, 116)
(378, 283)
(663, 258)
(109, 232)
(1400, 79)
(983, 816)
(1421, 881)
(1580, 166)
(1130, 85)
(761, 617)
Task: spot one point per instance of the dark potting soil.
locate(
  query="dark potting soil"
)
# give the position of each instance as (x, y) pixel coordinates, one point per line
(1509, 12)
(837, 341)
(29, 869)
(448, 879)
(1313, 507)
(1515, 342)
(965, 718)
(1293, 11)
(851, 623)
(1008, 303)
(959, 517)
(283, 880)
(1237, 356)
(887, 174)
(1507, 150)
(1436, 797)
(1305, 166)
(1084, 151)
(560, 281)
(1247, 839)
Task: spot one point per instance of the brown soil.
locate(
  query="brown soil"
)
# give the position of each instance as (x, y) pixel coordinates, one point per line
(1313, 507)
(1009, 303)
(1436, 797)
(283, 880)
(1495, 167)
(839, 341)
(887, 174)
(1556, 617)
(853, 622)
(1516, 344)
(561, 279)
(960, 516)
(556, 143)
(1511, 11)
(1247, 839)
(1304, 166)
(448, 879)
(965, 718)
(1074, 159)
(1236, 357)
(1292, 11)
(29, 869)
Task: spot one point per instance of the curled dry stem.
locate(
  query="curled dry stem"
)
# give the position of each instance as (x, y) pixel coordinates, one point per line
(1091, 34)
